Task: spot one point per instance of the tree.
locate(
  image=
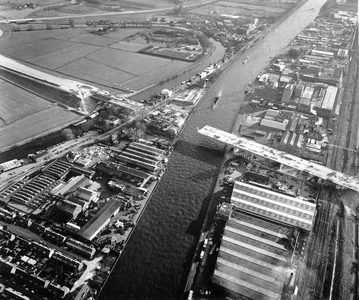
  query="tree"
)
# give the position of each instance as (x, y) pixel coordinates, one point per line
(294, 53)
(355, 267)
(140, 125)
(67, 132)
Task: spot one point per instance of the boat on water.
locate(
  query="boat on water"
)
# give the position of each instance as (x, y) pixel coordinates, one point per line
(215, 101)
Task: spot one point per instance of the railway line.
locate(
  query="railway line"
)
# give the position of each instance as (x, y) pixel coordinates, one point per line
(315, 263)
(351, 91)
(347, 134)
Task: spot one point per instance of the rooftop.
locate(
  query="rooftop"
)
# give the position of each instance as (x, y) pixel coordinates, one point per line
(101, 217)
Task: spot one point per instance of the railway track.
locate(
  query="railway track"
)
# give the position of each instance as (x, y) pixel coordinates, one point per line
(315, 263)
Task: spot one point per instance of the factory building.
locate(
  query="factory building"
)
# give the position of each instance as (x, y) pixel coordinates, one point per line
(9, 165)
(124, 173)
(274, 124)
(59, 168)
(100, 220)
(32, 189)
(314, 98)
(253, 258)
(256, 251)
(65, 188)
(273, 206)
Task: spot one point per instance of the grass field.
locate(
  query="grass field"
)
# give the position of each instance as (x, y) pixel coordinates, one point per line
(244, 9)
(146, 79)
(129, 47)
(269, 9)
(63, 57)
(92, 39)
(16, 103)
(119, 35)
(95, 72)
(35, 125)
(37, 48)
(132, 63)
(108, 60)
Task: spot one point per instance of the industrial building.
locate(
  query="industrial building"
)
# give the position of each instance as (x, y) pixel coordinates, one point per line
(141, 155)
(69, 187)
(188, 97)
(257, 247)
(273, 206)
(122, 172)
(254, 258)
(9, 165)
(100, 220)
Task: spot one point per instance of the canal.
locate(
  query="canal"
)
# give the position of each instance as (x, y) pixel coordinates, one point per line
(155, 263)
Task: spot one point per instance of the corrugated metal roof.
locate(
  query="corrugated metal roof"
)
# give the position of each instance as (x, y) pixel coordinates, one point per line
(98, 220)
(273, 124)
(329, 99)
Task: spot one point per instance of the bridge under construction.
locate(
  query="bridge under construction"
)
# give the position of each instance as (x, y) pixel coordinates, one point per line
(281, 157)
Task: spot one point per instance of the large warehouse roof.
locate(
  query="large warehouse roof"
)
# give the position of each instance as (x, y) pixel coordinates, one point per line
(97, 221)
(329, 99)
(257, 201)
(253, 258)
(273, 206)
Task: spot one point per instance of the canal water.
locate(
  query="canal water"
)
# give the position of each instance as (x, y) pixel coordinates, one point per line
(156, 261)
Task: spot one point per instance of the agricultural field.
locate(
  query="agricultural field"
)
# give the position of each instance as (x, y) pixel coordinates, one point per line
(110, 61)
(16, 103)
(129, 47)
(89, 38)
(165, 71)
(268, 9)
(36, 125)
(231, 8)
(23, 115)
(95, 72)
(63, 57)
(36, 49)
